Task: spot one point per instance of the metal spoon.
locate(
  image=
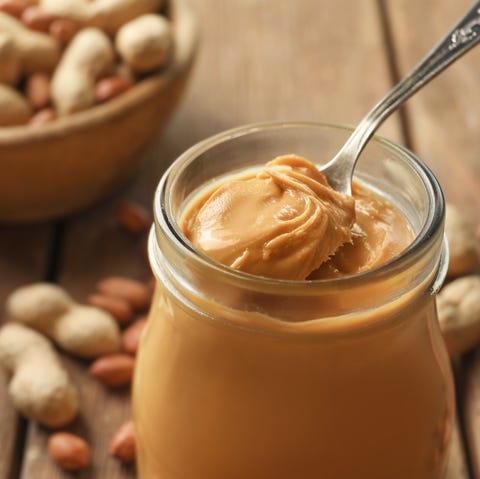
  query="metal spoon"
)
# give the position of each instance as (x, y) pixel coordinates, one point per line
(465, 35)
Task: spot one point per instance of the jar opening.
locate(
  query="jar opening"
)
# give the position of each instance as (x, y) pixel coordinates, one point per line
(172, 191)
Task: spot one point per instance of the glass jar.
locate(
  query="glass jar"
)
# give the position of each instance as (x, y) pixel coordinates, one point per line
(246, 377)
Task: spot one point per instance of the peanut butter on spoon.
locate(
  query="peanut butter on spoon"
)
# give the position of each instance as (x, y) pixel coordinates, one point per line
(282, 222)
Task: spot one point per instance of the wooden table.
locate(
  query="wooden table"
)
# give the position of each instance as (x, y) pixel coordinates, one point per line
(327, 60)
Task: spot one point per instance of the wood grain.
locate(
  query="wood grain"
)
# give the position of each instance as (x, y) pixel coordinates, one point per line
(471, 409)
(267, 60)
(444, 117)
(457, 465)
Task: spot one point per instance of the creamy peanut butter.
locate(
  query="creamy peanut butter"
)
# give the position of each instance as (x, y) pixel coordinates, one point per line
(286, 222)
(379, 234)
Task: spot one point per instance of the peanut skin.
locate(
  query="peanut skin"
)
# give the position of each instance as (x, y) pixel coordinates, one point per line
(108, 88)
(123, 444)
(69, 451)
(119, 308)
(63, 30)
(37, 19)
(137, 294)
(113, 370)
(37, 90)
(133, 217)
(40, 387)
(45, 115)
(14, 8)
(131, 336)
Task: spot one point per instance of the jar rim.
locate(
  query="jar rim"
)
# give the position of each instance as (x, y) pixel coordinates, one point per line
(166, 222)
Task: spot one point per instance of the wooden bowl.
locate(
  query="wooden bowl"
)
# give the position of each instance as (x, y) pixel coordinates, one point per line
(61, 167)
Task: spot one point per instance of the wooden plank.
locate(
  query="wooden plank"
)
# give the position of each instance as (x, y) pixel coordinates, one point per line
(291, 66)
(457, 464)
(23, 255)
(24, 252)
(267, 60)
(471, 409)
(443, 117)
(260, 60)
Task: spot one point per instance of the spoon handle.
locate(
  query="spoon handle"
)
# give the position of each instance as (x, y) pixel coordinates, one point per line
(458, 41)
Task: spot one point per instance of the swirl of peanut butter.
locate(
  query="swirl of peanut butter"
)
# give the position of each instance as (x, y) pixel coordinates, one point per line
(282, 222)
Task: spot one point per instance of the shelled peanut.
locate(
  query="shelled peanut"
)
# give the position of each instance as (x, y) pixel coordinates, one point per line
(72, 453)
(113, 370)
(123, 444)
(131, 335)
(122, 297)
(59, 57)
(69, 451)
(133, 217)
(137, 294)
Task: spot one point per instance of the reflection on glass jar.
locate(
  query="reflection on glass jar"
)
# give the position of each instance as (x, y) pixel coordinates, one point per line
(247, 377)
